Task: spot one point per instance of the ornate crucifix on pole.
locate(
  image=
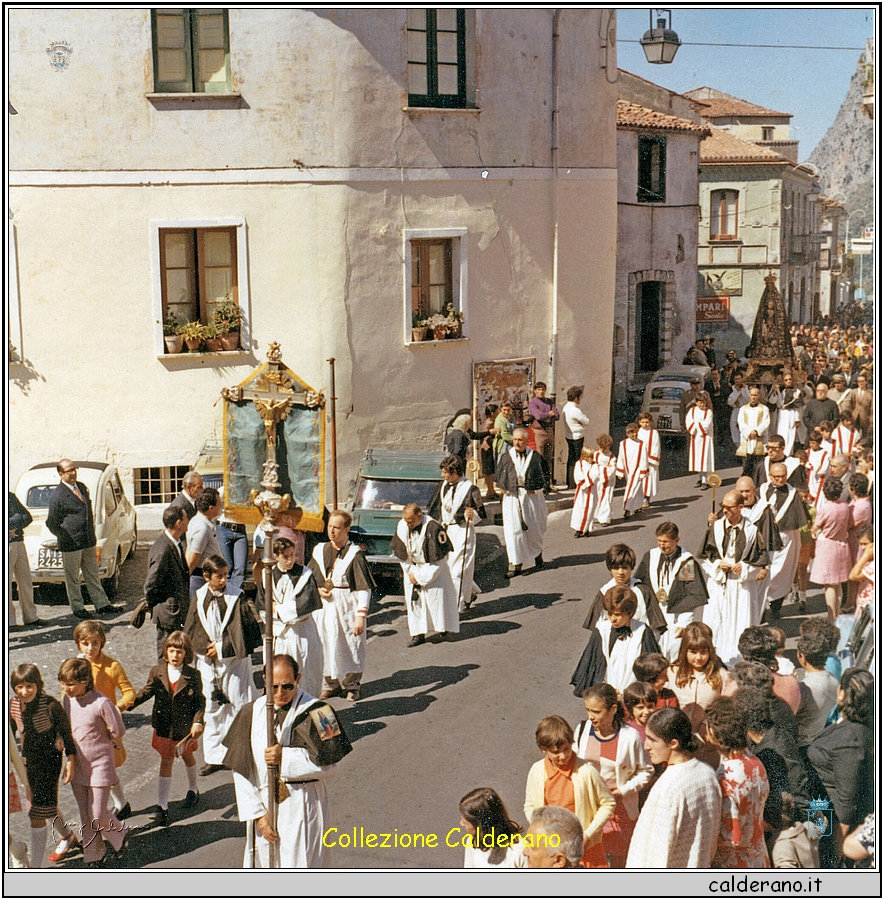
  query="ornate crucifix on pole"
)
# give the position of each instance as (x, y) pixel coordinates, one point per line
(274, 395)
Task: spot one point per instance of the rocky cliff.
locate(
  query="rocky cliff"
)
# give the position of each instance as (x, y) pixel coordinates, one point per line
(845, 156)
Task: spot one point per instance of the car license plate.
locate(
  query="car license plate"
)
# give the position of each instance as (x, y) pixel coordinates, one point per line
(48, 558)
(664, 421)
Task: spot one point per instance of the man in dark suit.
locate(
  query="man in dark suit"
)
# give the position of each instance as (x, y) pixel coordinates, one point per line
(70, 520)
(191, 485)
(166, 587)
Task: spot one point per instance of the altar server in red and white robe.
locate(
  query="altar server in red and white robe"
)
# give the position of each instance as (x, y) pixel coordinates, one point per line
(650, 437)
(844, 439)
(606, 467)
(585, 494)
(818, 459)
(632, 466)
(701, 455)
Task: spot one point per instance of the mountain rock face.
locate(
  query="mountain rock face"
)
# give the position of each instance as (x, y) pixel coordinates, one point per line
(845, 156)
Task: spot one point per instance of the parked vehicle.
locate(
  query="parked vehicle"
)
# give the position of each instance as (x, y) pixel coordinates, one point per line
(662, 397)
(116, 529)
(388, 479)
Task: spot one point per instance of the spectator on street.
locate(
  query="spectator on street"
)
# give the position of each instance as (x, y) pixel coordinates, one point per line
(19, 568)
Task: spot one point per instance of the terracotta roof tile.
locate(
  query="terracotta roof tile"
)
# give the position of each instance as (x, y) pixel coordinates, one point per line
(633, 116)
(713, 108)
(722, 146)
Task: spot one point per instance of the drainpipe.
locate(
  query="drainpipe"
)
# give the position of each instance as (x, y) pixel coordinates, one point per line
(554, 336)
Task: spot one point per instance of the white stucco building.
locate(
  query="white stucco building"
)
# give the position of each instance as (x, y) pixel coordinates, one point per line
(658, 140)
(330, 171)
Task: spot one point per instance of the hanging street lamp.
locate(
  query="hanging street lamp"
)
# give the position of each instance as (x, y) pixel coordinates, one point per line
(661, 43)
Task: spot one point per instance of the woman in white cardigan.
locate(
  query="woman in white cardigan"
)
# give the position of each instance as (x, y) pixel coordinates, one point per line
(616, 750)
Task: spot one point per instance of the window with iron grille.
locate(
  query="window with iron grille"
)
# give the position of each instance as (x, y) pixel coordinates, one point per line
(651, 169)
(158, 484)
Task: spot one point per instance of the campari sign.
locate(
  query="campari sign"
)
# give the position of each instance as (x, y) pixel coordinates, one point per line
(713, 309)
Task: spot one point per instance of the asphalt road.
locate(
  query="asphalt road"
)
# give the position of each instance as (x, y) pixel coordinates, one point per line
(433, 723)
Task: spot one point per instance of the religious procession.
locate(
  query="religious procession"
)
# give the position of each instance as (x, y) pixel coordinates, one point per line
(705, 743)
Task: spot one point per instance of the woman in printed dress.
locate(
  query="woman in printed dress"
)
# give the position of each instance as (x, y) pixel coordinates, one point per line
(744, 789)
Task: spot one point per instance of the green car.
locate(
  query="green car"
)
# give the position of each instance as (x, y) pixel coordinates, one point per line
(389, 479)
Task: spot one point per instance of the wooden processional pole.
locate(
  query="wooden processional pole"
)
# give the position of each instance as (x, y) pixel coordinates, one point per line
(334, 436)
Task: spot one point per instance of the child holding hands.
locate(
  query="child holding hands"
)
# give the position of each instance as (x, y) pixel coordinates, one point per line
(96, 725)
(178, 710)
(108, 676)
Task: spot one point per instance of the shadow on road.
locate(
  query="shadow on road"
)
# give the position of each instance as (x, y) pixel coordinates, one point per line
(508, 603)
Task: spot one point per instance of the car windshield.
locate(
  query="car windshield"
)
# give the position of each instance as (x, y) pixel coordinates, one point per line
(40, 495)
(374, 493)
(668, 393)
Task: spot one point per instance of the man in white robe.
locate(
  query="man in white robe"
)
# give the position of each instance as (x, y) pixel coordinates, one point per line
(303, 808)
(790, 515)
(735, 562)
(738, 398)
(345, 585)
(457, 506)
(522, 476)
(421, 546)
(701, 457)
(754, 422)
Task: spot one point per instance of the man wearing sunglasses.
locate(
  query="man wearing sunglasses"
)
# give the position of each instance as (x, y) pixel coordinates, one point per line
(310, 741)
(70, 519)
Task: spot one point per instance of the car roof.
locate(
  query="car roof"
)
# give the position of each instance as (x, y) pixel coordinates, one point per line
(406, 463)
(79, 463)
(90, 474)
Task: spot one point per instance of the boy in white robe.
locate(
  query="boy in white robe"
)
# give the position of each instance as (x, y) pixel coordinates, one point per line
(650, 437)
(295, 599)
(701, 454)
(585, 495)
(632, 467)
(615, 644)
(224, 632)
(738, 398)
(345, 586)
(606, 467)
(421, 546)
(818, 459)
(303, 812)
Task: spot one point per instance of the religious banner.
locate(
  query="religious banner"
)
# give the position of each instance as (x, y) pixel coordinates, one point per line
(713, 309)
(720, 282)
(273, 408)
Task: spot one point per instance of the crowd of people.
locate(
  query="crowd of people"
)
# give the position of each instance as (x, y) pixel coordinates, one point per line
(703, 745)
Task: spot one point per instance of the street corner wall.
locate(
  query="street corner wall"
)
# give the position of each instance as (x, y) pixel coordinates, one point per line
(587, 273)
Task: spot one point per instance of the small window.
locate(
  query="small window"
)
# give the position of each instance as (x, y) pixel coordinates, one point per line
(431, 276)
(723, 214)
(435, 283)
(767, 133)
(158, 484)
(437, 58)
(651, 169)
(191, 51)
(199, 272)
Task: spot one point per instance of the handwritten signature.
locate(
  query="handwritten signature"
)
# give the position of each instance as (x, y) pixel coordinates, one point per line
(95, 825)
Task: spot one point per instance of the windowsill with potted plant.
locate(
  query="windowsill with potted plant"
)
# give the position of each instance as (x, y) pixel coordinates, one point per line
(220, 336)
(438, 328)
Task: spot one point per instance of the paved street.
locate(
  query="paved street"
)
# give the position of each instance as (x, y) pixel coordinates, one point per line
(434, 722)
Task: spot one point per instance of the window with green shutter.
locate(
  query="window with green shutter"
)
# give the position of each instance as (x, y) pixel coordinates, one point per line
(437, 58)
(191, 51)
(651, 169)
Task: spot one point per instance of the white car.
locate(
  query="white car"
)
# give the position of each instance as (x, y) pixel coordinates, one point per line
(115, 527)
(662, 397)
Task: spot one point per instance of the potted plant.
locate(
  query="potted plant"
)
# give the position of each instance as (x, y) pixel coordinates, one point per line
(227, 318)
(418, 327)
(193, 333)
(171, 335)
(439, 325)
(455, 321)
(212, 338)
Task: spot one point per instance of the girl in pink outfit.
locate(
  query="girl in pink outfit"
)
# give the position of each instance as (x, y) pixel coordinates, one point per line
(863, 573)
(95, 724)
(832, 562)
